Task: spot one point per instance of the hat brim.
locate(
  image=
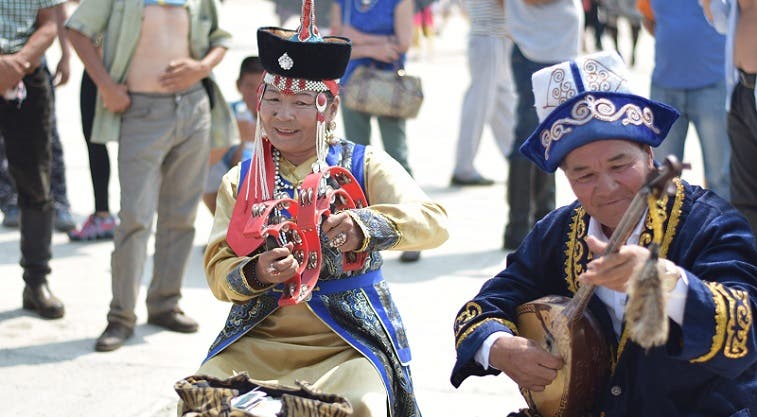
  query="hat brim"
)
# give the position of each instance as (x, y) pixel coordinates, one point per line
(315, 61)
(592, 116)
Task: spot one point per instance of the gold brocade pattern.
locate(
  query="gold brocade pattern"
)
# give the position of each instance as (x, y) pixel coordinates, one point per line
(468, 313)
(733, 320)
(672, 215)
(507, 323)
(575, 250)
(720, 323)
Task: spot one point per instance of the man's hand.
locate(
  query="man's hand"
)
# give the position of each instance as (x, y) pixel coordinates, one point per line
(12, 70)
(62, 71)
(613, 271)
(116, 98)
(182, 74)
(525, 362)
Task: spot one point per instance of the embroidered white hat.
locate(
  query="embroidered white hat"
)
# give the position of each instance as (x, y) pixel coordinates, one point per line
(586, 100)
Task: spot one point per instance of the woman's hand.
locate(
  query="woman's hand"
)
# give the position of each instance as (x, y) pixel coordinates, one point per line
(386, 52)
(342, 232)
(276, 265)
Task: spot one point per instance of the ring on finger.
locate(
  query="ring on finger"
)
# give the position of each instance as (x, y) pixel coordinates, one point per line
(273, 270)
(338, 240)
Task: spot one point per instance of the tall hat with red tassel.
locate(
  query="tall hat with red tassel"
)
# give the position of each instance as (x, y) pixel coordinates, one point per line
(296, 61)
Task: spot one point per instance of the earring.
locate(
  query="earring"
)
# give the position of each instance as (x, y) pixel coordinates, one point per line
(330, 128)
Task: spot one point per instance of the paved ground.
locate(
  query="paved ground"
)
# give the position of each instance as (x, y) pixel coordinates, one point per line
(49, 368)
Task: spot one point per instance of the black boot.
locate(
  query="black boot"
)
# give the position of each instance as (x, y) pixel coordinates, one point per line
(39, 298)
(36, 235)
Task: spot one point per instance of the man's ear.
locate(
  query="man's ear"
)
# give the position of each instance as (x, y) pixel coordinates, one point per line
(650, 154)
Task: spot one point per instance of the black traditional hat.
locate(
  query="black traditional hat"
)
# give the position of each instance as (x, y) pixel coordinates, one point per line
(301, 59)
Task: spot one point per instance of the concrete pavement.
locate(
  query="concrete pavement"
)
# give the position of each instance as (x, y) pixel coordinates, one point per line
(49, 368)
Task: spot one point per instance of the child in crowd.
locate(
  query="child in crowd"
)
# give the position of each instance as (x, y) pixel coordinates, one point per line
(250, 77)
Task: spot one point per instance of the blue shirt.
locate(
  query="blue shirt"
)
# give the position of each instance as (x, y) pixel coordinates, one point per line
(375, 17)
(689, 53)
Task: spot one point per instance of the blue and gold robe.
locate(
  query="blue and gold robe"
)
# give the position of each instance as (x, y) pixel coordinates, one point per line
(350, 316)
(708, 366)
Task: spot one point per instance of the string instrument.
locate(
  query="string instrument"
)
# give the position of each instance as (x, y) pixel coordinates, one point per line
(564, 327)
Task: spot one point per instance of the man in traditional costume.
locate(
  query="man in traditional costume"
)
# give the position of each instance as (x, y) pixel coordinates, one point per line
(601, 135)
(346, 337)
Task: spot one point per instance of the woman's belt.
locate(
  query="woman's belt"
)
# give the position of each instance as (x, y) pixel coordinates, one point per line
(334, 286)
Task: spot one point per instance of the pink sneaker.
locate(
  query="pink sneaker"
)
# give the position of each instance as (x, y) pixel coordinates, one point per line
(94, 228)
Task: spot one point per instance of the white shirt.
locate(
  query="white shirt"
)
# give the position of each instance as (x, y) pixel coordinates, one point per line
(615, 301)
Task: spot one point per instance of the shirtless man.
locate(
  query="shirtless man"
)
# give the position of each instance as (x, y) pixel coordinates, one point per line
(738, 19)
(153, 102)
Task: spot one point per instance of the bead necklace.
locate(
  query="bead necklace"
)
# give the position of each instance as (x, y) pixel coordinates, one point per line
(280, 185)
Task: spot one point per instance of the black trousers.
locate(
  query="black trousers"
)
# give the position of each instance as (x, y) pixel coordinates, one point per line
(530, 191)
(742, 132)
(26, 130)
(99, 161)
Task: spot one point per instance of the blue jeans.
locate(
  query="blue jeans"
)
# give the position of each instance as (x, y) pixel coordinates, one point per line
(704, 107)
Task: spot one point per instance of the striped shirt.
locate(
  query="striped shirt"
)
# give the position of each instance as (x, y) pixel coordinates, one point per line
(18, 21)
(487, 17)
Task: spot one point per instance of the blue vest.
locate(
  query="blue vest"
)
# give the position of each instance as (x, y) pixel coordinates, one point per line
(345, 302)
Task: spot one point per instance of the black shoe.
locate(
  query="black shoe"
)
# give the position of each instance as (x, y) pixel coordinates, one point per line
(114, 336)
(174, 320)
(410, 256)
(475, 181)
(39, 298)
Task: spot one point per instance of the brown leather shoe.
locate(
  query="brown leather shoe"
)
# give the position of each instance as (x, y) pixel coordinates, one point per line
(114, 336)
(174, 320)
(39, 298)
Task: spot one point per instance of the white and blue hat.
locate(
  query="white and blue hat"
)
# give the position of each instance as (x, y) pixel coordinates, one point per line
(586, 100)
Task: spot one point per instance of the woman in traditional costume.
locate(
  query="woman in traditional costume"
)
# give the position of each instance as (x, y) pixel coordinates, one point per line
(342, 333)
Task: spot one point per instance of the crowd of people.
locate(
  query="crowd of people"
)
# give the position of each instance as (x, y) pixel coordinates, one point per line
(153, 92)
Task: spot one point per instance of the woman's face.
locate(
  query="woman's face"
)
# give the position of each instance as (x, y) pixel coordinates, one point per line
(289, 121)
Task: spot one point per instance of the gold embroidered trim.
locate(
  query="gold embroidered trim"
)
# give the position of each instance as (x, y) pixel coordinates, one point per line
(615, 356)
(675, 217)
(720, 323)
(469, 312)
(574, 252)
(739, 322)
(507, 323)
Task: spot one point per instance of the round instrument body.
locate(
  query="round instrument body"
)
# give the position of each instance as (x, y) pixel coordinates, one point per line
(582, 346)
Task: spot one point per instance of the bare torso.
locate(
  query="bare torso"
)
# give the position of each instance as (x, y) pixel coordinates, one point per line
(745, 47)
(164, 37)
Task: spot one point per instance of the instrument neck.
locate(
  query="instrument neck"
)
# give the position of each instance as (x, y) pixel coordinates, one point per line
(576, 306)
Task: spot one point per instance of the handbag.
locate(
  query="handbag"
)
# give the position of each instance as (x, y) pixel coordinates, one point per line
(381, 92)
(207, 396)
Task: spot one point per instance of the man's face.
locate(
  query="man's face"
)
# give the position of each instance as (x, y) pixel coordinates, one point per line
(605, 176)
(248, 87)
